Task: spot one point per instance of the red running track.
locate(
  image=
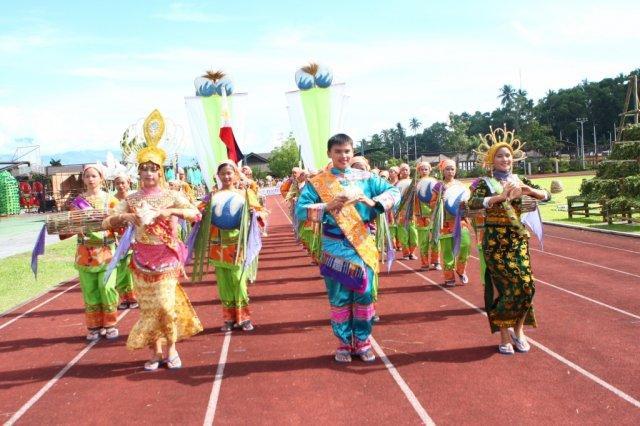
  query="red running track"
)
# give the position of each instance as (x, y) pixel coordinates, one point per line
(442, 363)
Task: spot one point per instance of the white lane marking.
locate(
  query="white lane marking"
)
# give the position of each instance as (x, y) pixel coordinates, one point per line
(586, 263)
(18, 414)
(591, 244)
(555, 355)
(217, 381)
(11, 321)
(419, 409)
(597, 302)
(408, 393)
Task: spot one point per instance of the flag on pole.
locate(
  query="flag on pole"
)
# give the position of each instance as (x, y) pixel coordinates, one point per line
(206, 121)
(226, 132)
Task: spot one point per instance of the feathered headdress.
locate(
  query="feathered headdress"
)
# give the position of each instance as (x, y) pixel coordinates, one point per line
(496, 139)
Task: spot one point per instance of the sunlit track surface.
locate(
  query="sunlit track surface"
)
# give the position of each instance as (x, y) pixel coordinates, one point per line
(436, 341)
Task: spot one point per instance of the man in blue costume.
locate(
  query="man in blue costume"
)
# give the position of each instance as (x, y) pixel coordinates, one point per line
(344, 200)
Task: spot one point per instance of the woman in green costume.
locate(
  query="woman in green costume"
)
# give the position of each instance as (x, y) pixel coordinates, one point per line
(509, 284)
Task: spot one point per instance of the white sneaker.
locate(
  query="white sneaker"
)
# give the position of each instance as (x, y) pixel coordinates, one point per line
(464, 279)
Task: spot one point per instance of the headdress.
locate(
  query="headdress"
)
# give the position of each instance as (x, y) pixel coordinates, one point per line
(443, 164)
(492, 142)
(231, 163)
(360, 160)
(96, 166)
(153, 128)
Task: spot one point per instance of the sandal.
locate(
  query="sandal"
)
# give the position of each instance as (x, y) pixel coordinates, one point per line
(93, 335)
(521, 344)
(342, 355)
(506, 349)
(227, 326)
(464, 279)
(174, 362)
(367, 355)
(152, 364)
(111, 333)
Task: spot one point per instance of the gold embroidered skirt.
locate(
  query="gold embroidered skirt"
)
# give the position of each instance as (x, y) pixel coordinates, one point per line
(165, 311)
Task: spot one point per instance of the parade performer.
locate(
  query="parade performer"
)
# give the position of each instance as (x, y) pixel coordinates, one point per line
(93, 254)
(423, 210)
(185, 186)
(509, 285)
(393, 227)
(304, 228)
(166, 314)
(124, 282)
(406, 231)
(454, 263)
(344, 200)
(231, 216)
(247, 174)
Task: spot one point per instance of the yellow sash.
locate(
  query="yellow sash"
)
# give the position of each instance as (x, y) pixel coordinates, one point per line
(328, 187)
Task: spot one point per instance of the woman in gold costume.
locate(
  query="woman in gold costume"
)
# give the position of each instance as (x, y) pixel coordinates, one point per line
(166, 315)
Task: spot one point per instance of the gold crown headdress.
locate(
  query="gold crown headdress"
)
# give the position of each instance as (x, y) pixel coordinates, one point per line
(153, 129)
(496, 139)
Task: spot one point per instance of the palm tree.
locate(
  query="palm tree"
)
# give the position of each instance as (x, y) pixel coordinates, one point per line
(507, 95)
(415, 124)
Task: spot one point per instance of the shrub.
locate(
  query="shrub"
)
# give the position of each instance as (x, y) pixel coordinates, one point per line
(631, 133)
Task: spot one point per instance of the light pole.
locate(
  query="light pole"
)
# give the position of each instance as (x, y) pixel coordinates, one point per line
(582, 120)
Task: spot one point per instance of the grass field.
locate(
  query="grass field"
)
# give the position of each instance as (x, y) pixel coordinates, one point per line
(556, 209)
(17, 282)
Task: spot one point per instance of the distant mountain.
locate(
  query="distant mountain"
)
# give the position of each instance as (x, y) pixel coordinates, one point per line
(81, 157)
(89, 156)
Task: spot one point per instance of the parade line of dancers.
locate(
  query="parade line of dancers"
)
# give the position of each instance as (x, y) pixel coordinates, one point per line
(352, 220)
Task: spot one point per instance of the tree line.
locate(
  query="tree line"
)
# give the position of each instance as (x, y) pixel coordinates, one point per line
(548, 126)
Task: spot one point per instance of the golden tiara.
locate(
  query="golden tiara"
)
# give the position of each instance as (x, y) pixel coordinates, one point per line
(496, 139)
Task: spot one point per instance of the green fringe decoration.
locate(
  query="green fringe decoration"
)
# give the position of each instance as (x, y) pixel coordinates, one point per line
(201, 248)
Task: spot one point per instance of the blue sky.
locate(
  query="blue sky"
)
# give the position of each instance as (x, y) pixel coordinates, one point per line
(75, 74)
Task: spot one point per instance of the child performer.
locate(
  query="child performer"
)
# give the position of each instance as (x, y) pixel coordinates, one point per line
(93, 254)
(124, 282)
(230, 275)
(423, 212)
(452, 265)
(345, 200)
(166, 315)
(405, 226)
(509, 285)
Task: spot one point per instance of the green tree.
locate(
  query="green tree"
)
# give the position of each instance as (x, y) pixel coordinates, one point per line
(284, 158)
(458, 141)
(415, 124)
(54, 162)
(540, 138)
(507, 95)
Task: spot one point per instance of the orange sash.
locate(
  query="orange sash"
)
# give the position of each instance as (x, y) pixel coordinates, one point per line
(328, 187)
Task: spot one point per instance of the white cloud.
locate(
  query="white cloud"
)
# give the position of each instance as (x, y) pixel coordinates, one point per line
(181, 12)
(389, 80)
